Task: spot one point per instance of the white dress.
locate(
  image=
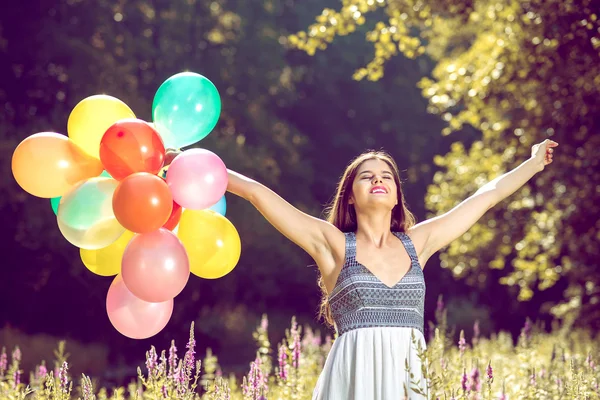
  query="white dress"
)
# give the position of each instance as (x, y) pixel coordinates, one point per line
(380, 331)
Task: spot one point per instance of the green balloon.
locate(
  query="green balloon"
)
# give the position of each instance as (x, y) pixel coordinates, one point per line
(185, 109)
(87, 204)
(54, 202)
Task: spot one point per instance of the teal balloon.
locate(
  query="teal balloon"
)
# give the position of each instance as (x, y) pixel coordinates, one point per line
(54, 202)
(105, 174)
(220, 206)
(185, 109)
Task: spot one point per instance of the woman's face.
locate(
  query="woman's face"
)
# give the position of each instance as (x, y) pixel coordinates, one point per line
(374, 185)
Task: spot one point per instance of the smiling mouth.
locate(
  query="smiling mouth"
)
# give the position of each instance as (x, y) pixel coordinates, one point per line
(378, 190)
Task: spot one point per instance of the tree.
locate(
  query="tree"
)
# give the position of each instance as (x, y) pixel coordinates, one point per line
(518, 71)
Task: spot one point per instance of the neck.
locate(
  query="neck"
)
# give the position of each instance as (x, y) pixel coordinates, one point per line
(374, 227)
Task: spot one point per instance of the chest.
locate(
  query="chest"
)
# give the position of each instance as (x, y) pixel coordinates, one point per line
(388, 264)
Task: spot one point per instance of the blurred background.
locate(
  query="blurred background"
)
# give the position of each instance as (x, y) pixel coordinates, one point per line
(456, 91)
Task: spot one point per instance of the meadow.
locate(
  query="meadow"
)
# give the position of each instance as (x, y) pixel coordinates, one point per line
(558, 363)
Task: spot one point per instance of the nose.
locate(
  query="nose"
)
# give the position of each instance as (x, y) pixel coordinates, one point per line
(377, 178)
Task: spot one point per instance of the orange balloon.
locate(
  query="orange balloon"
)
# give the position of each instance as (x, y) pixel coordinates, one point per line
(48, 164)
(142, 202)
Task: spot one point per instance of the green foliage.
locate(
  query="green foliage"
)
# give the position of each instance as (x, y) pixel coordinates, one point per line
(516, 71)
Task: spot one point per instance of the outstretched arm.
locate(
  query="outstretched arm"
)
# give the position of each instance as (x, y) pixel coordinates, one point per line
(310, 233)
(441, 230)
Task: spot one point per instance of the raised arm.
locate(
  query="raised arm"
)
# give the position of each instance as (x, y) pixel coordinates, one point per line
(312, 234)
(440, 231)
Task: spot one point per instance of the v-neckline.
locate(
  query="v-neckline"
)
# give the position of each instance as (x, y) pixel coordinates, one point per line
(375, 276)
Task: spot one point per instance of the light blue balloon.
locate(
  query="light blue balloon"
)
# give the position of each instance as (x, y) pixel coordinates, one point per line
(220, 206)
(105, 174)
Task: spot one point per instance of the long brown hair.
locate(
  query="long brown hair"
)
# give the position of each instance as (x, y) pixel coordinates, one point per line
(342, 214)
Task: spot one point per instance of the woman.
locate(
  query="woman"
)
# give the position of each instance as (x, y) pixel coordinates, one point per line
(370, 255)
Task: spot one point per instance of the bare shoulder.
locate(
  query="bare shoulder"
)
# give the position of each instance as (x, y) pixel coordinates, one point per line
(419, 234)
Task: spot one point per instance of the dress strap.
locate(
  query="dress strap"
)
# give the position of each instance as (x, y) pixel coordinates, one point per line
(408, 244)
(350, 252)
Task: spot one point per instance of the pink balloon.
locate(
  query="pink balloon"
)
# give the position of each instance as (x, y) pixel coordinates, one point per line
(155, 266)
(132, 317)
(197, 178)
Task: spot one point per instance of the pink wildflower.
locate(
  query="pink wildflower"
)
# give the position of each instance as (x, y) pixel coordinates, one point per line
(282, 358)
(264, 323)
(16, 355)
(41, 372)
(3, 361)
(490, 372)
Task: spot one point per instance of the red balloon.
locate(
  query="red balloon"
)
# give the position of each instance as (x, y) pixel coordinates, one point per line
(174, 218)
(142, 202)
(155, 266)
(133, 317)
(130, 146)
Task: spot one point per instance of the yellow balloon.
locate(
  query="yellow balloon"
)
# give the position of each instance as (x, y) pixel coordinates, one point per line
(90, 119)
(212, 243)
(106, 261)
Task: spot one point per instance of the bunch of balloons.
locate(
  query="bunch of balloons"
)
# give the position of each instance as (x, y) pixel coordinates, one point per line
(112, 199)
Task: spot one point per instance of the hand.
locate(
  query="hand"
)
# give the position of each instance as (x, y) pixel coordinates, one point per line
(542, 153)
(170, 154)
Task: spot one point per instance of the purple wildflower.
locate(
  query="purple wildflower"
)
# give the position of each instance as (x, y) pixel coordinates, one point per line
(17, 378)
(88, 391)
(476, 332)
(62, 376)
(527, 329)
(245, 387)
(590, 362)
(440, 304)
(462, 343)
(151, 361)
(282, 358)
(474, 381)
(532, 378)
(463, 381)
(443, 364)
(172, 358)
(3, 361)
(189, 358)
(490, 372)
(164, 391)
(296, 351)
